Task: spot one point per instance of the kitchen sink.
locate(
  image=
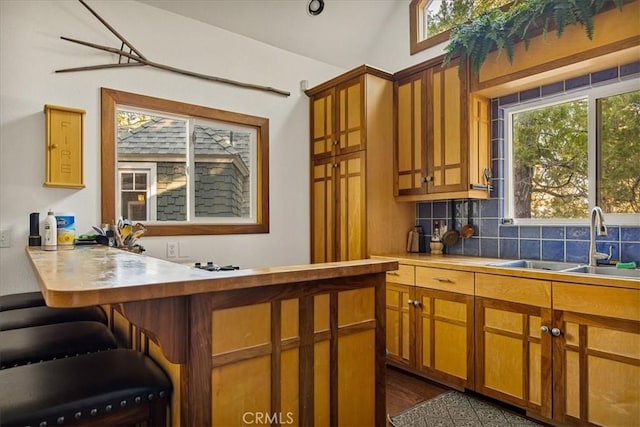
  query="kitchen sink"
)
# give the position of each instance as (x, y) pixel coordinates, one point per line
(531, 264)
(607, 271)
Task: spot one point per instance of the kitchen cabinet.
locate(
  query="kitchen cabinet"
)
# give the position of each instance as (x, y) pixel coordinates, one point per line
(430, 323)
(576, 361)
(596, 356)
(442, 141)
(353, 211)
(513, 355)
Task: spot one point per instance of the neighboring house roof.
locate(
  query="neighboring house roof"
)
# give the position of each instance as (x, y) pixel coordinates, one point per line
(166, 136)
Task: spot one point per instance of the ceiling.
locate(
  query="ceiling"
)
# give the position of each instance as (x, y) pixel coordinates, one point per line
(342, 35)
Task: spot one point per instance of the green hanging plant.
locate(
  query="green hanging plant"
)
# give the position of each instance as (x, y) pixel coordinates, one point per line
(502, 30)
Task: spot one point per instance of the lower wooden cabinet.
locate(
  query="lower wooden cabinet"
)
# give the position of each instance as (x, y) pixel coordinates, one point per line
(566, 352)
(429, 330)
(596, 357)
(513, 355)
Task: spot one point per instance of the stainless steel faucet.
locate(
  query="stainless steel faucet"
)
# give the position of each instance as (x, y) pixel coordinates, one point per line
(596, 226)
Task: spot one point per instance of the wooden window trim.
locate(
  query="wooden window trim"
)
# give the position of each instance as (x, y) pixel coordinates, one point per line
(110, 98)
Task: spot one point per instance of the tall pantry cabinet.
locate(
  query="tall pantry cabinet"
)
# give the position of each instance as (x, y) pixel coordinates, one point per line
(353, 211)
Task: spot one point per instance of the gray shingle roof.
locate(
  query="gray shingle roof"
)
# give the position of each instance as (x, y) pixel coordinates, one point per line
(166, 136)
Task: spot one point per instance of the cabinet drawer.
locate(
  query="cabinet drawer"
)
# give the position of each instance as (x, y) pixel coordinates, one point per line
(447, 280)
(598, 300)
(405, 274)
(515, 289)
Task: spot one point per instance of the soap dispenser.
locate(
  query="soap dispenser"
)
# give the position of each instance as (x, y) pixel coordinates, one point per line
(50, 240)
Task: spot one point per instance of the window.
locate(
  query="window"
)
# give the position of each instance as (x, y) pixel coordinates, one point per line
(432, 20)
(181, 168)
(574, 152)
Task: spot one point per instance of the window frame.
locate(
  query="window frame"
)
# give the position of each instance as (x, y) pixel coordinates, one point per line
(591, 94)
(111, 99)
(416, 42)
(135, 167)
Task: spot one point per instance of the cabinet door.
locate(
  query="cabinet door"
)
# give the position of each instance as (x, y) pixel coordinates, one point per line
(323, 138)
(410, 144)
(447, 159)
(323, 247)
(350, 131)
(400, 315)
(479, 138)
(444, 336)
(513, 356)
(596, 357)
(350, 207)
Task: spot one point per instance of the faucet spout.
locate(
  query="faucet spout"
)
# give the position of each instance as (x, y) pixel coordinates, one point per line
(596, 226)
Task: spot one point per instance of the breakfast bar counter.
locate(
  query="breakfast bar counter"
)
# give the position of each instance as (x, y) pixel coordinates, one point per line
(296, 345)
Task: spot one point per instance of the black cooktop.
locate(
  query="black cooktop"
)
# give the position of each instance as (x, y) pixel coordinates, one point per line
(210, 266)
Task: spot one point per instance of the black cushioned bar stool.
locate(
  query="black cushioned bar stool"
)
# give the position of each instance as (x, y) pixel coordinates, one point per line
(116, 387)
(41, 343)
(23, 300)
(37, 316)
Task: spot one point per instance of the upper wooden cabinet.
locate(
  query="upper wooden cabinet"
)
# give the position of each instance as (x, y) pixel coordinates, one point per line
(442, 141)
(353, 211)
(338, 116)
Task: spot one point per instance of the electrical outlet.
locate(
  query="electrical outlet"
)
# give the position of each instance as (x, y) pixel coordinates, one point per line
(173, 249)
(5, 238)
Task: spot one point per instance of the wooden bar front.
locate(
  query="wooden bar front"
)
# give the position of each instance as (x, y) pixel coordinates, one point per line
(298, 345)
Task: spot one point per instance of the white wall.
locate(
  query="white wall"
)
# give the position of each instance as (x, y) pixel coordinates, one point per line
(31, 50)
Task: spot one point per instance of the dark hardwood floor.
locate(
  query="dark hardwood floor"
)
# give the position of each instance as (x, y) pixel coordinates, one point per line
(405, 390)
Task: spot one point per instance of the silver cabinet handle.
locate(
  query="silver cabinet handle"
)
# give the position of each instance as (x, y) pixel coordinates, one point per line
(410, 302)
(427, 178)
(443, 279)
(544, 329)
(556, 332)
(416, 303)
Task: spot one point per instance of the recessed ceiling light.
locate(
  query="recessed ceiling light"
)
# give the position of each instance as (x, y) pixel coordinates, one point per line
(315, 7)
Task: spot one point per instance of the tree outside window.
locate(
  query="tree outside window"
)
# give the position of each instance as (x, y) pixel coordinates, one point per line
(555, 172)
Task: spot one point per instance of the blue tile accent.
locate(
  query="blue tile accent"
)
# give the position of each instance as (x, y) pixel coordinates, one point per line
(495, 107)
(489, 227)
(471, 246)
(530, 232)
(440, 210)
(630, 69)
(508, 99)
(553, 232)
(553, 250)
(489, 247)
(455, 249)
(508, 248)
(578, 233)
(577, 251)
(552, 88)
(577, 82)
(604, 75)
(529, 249)
(630, 252)
(613, 234)
(489, 208)
(424, 210)
(509, 231)
(630, 234)
(529, 94)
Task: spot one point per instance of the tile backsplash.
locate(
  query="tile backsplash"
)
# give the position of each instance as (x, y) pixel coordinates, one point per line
(492, 238)
(554, 243)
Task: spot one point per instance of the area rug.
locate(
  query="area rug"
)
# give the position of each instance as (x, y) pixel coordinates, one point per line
(454, 409)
